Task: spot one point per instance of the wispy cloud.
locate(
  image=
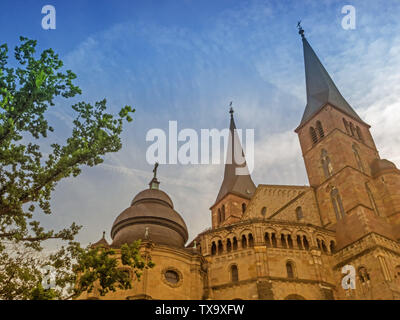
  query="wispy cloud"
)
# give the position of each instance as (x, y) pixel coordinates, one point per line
(251, 54)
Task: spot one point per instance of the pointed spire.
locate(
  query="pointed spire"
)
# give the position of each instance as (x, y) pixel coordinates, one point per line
(320, 87)
(241, 185)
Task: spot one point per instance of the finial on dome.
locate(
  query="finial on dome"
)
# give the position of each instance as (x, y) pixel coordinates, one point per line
(104, 234)
(154, 183)
(231, 110)
(155, 170)
(301, 30)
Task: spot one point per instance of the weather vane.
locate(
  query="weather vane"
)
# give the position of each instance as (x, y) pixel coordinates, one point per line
(231, 109)
(301, 31)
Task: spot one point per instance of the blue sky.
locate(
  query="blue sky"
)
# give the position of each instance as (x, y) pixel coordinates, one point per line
(185, 61)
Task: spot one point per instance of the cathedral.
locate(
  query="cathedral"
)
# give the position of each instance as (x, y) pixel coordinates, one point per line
(336, 239)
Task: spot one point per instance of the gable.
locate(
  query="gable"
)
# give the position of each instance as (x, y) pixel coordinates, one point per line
(273, 197)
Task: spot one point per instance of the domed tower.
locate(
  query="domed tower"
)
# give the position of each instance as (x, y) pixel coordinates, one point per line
(178, 273)
(151, 216)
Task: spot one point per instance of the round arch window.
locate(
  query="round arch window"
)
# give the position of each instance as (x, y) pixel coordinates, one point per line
(172, 276)
(264, 211)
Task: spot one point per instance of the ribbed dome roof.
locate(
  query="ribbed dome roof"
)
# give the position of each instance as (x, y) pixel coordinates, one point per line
(152, 209)
(152, 194)
(380, 165)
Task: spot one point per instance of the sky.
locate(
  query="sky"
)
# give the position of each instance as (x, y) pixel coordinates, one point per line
(184, 61)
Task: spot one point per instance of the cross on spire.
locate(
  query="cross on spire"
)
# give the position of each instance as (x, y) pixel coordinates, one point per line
(231, 110)
(154, 183)
(155, 170)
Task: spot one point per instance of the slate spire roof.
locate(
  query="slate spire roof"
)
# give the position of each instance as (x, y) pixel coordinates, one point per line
(239, 184)
(320, 87)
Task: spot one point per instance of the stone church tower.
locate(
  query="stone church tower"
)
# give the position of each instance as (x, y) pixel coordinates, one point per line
(350, 180)
(281, 241)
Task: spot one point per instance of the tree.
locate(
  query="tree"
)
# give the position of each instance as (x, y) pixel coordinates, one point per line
(27, 177)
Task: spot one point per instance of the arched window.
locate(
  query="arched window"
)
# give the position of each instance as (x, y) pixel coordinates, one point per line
(337, 204)
(244, 242)
(346, 125)
(320, 129)
(326, 164)
(358, 158)
(228, 245)
(305, 243)
(372, 199)
(213, 249)
(319, 244)
(223, 213)
(359, 134)
(243, 207)
(220, 247)
(267, 240)
(273, 240)
(264, 211)
(363, 274)
(234, 273)
(299, 213)
(313, 135)
(290, 269)
(219, 216)
(323, 246)
(290, 241)
(251, 240)
(283, 241)
(332, 246)
(299, 243)
(235, 244)
(352, 129)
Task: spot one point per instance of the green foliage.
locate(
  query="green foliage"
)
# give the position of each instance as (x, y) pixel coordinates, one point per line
(27, 177)
(93, 268)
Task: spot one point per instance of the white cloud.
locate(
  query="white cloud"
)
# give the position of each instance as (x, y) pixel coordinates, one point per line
(251, 55)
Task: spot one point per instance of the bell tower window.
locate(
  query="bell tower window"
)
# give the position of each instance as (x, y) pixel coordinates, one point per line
(337, 204)
(313, 135)
(320, 130)
(352, 129)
